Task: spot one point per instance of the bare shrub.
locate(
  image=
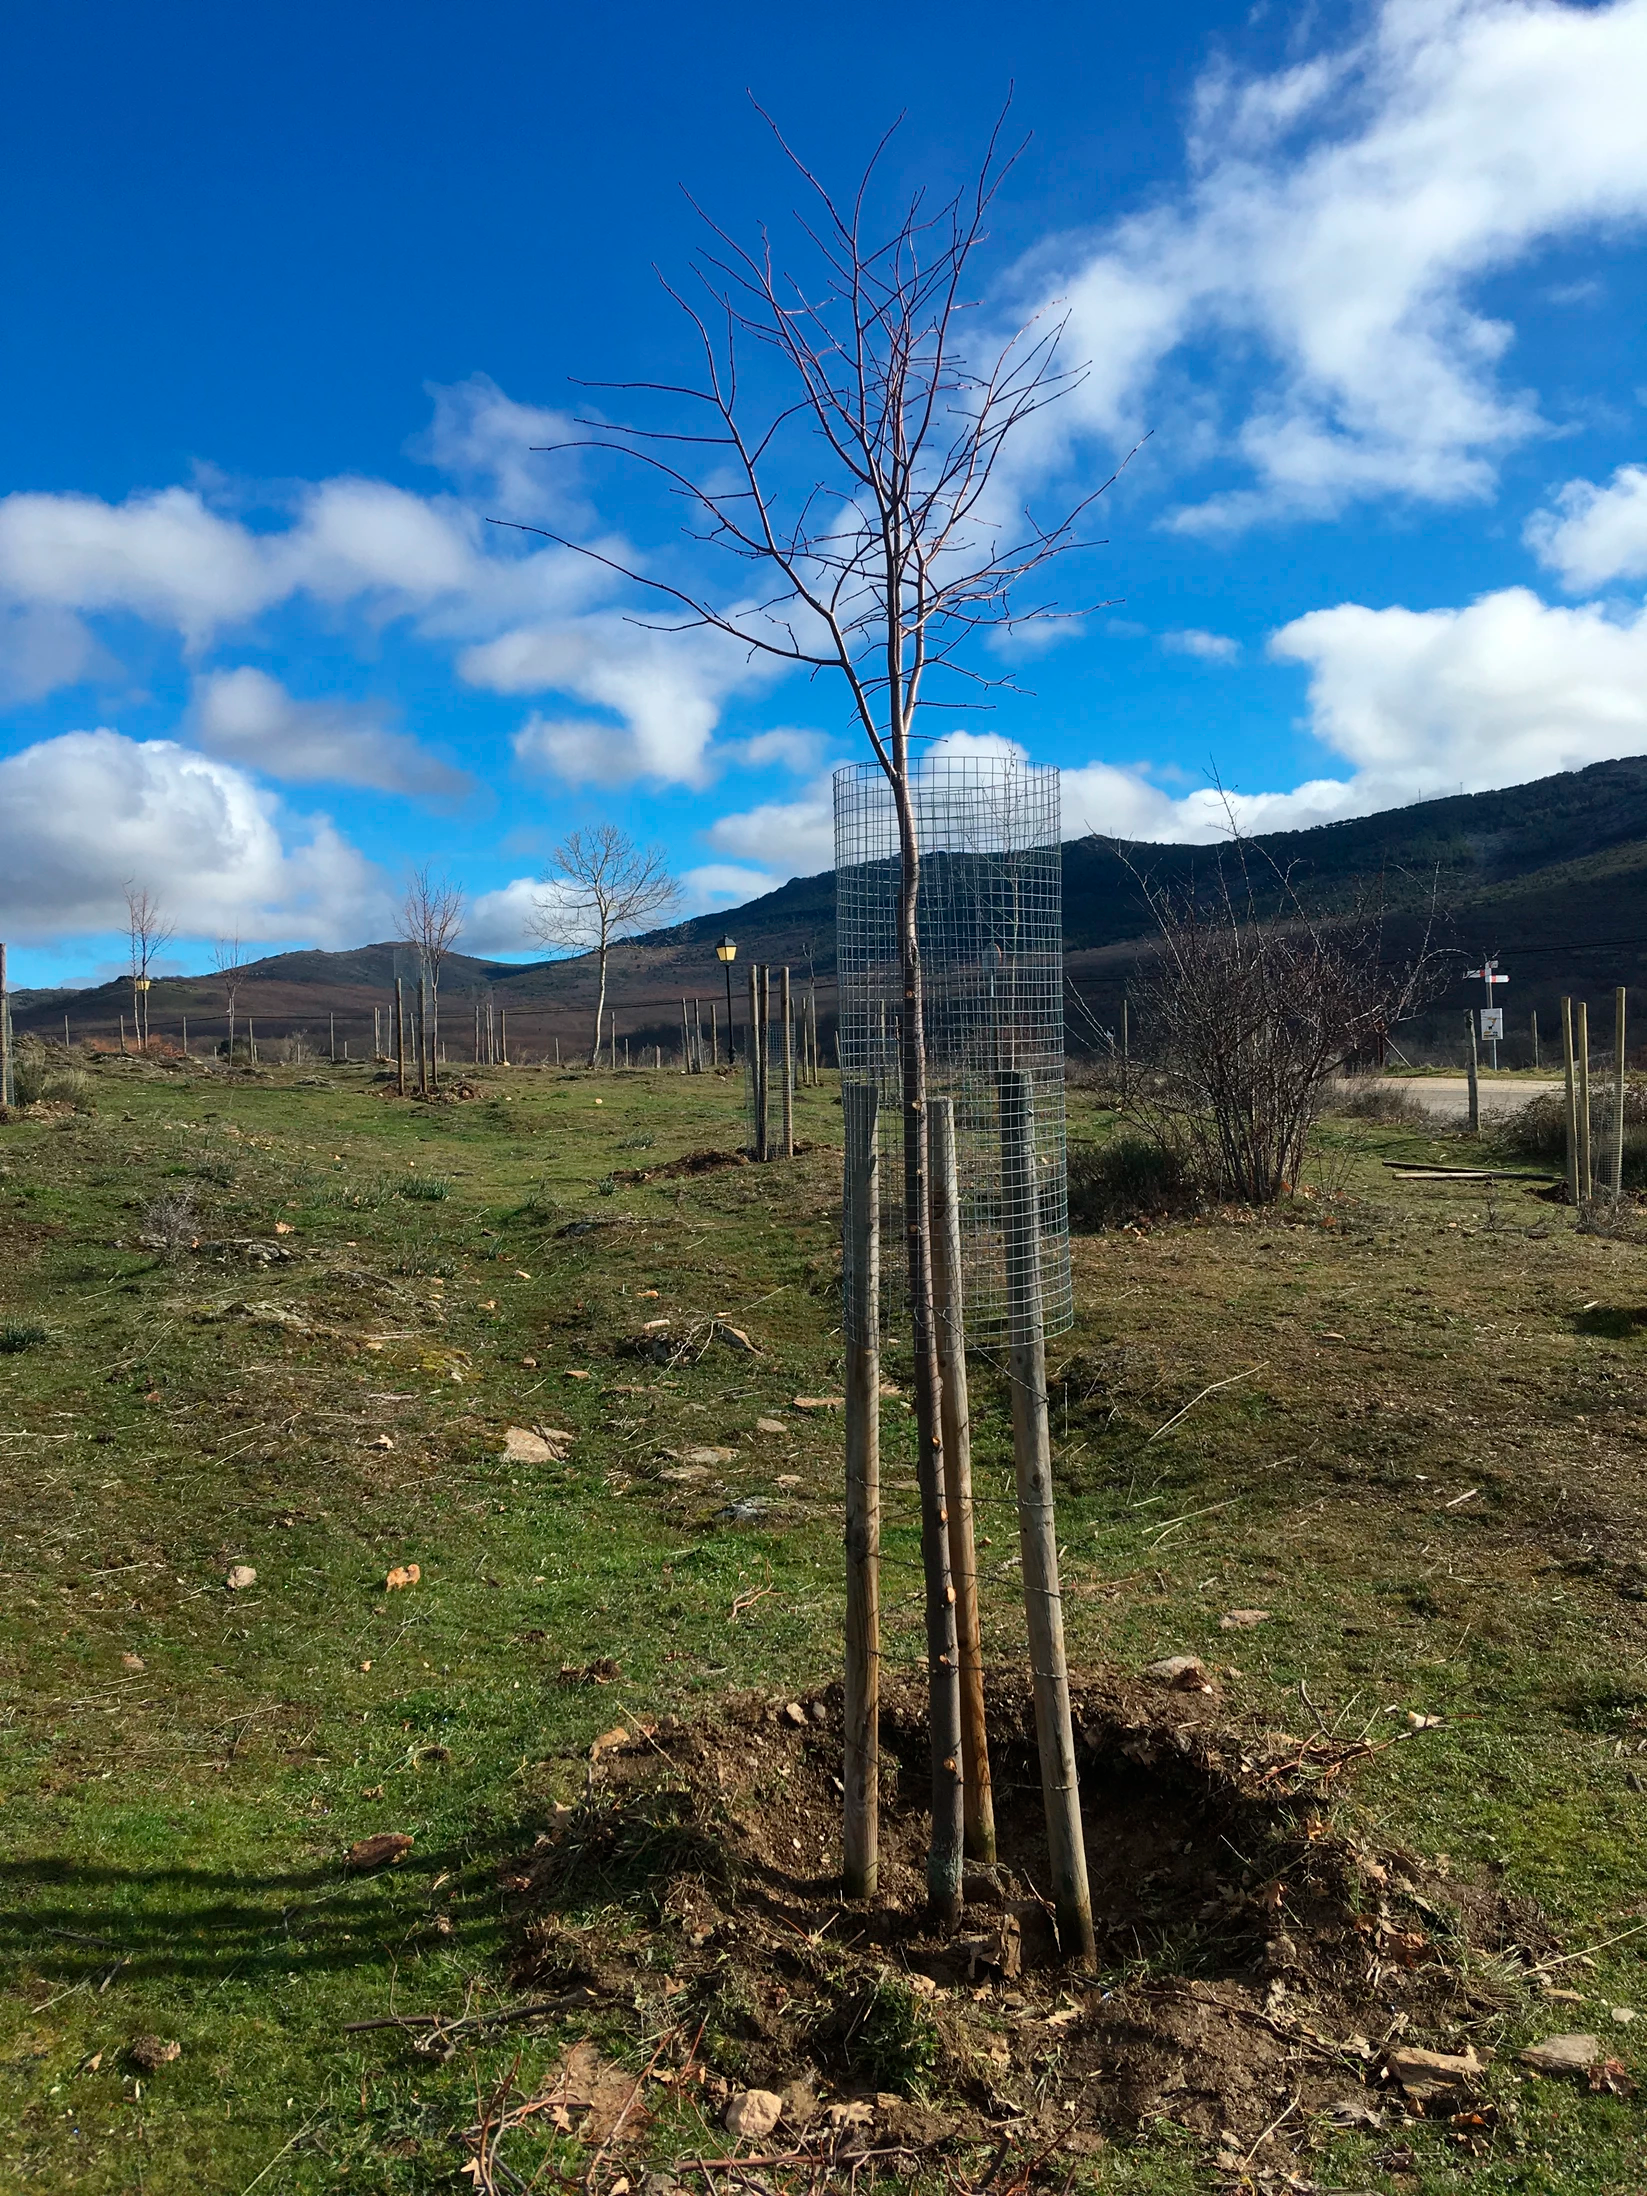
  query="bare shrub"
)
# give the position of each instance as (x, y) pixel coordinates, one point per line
(1538, 1130)
(297, 1050)
(1247, 1013)
(172, 1222)
(1132, 1177)
(1371, 1098)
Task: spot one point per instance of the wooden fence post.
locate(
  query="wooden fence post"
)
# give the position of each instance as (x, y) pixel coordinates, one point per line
(1032, 1457)
(1535, 1040)
(331, 1038)
(5, 1036)
(977, 1798)
(1475, 1081)
(1618, 1094)
(860, 1869)
(423, 1036)
(185, 1037)
(251, 1041)
(788, 1068)
(400, 1041)
(1572, 1100)
(757, 1063)
(1586, 1153)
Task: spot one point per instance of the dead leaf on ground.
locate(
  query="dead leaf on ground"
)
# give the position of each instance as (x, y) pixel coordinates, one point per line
(609, 1741)
(153, 2052)
(403, 1574)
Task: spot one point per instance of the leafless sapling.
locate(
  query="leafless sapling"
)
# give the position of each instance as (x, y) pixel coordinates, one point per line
(149, 932)
(431, 917)
(860, 472)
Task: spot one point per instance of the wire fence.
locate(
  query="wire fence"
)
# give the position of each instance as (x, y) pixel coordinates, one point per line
(989, 924)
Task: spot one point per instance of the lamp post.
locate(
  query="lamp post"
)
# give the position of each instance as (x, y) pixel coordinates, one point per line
(726, 952)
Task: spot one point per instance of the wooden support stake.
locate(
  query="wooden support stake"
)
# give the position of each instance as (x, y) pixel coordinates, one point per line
(1573, 1177)
(1586, 1154)
(1475, 1083)
(5, 1037)
(251, 1041)
(714, 1033)
(1618, 1094)
(503, 1036)
(757, 1061)
(1535, 1039)
(185, 1036)
(423, 1036)
(860, 1867)
(977, 1798)
(400, 1040)
(1032, 1457)
(788, 1067)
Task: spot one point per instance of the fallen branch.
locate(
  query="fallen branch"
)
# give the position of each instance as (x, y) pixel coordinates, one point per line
(439, 2021)
(1201, 1398)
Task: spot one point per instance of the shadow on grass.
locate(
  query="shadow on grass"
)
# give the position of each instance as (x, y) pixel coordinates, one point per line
(71, 1922)
(1615, 1322)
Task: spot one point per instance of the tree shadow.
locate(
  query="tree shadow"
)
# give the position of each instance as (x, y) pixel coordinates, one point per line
(72, 1922)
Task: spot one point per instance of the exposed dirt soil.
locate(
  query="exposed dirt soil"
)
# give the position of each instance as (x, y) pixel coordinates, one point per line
(1256, 1962)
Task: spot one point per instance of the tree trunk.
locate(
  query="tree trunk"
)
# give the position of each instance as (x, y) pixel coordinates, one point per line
(944, 1854)
(600, 1003)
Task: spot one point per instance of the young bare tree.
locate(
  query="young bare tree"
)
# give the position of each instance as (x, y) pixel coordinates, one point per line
(230, 971)
(861, 475)
(150, 933)
(431, 916)
(1249, 1009)
(605, 888)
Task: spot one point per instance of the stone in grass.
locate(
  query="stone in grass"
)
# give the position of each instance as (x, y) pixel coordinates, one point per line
(1181, 1673)
(521, 1446)
(1570, 2054)
(1427, 2074)
(240, 1576)
(1243, 1620)
(153, 2052)
(770, 1426)
(752, 2113)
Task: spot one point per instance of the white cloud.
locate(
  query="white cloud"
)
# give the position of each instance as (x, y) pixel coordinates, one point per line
(667, 688)
(1594, 535)
(1337, 217)
(43, 648)
(1420, 704)
(723, 884)
(82, 813)
(1209, 647)
(501, 921)
(784, 745)
(250, 718)
(788, 838)
(494, 447)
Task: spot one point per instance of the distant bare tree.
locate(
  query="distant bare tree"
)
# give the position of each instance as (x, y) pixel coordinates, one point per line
(431, 916)
(231, 971)
(606, 888)
(150, 933)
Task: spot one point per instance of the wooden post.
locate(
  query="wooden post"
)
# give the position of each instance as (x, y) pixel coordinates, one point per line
(686, 1042)
(977, 1798)
(1586, 1155)
(503, 1035)
(1572, 1100)
(423, 1036)
(757, 1080)
(185, 1036)
(1618, 1094)
(65, 1018)
(5, 1037)
(1535, 1040)
(1032, 1457)
(1475, 1084)
(251, 1042)
(788, 1067)
(331, 1038)
(1126, 1047)
(860, 1869)
(657, 1056)
(123, 1039)
(714, 1033)
(400, 1041)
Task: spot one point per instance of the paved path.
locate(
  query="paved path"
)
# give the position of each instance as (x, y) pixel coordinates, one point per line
(1449, 1095)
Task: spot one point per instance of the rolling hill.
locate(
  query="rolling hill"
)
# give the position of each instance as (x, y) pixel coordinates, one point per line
(1550, 876)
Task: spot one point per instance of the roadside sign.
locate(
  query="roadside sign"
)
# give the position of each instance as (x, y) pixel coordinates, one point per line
(1492, 1025)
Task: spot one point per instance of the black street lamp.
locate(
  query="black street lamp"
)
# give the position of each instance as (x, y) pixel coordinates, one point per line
(726, 952)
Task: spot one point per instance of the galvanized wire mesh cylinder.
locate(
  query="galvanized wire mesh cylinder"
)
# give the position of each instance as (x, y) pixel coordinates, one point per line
(990, 928)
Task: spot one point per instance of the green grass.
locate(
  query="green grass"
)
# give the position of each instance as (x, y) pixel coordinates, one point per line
(182, 1768)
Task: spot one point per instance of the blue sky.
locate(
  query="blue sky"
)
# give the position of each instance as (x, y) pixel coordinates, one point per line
(292, 291)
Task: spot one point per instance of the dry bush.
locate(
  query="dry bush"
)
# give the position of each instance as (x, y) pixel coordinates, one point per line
(1538, 1130)
(1246, 1016)
(39, 1080)
(1373, 1099)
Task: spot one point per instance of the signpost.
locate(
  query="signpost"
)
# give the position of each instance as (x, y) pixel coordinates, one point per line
(1492, 1018)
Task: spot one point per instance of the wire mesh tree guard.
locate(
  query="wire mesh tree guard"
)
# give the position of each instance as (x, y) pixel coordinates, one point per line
(990, 927)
